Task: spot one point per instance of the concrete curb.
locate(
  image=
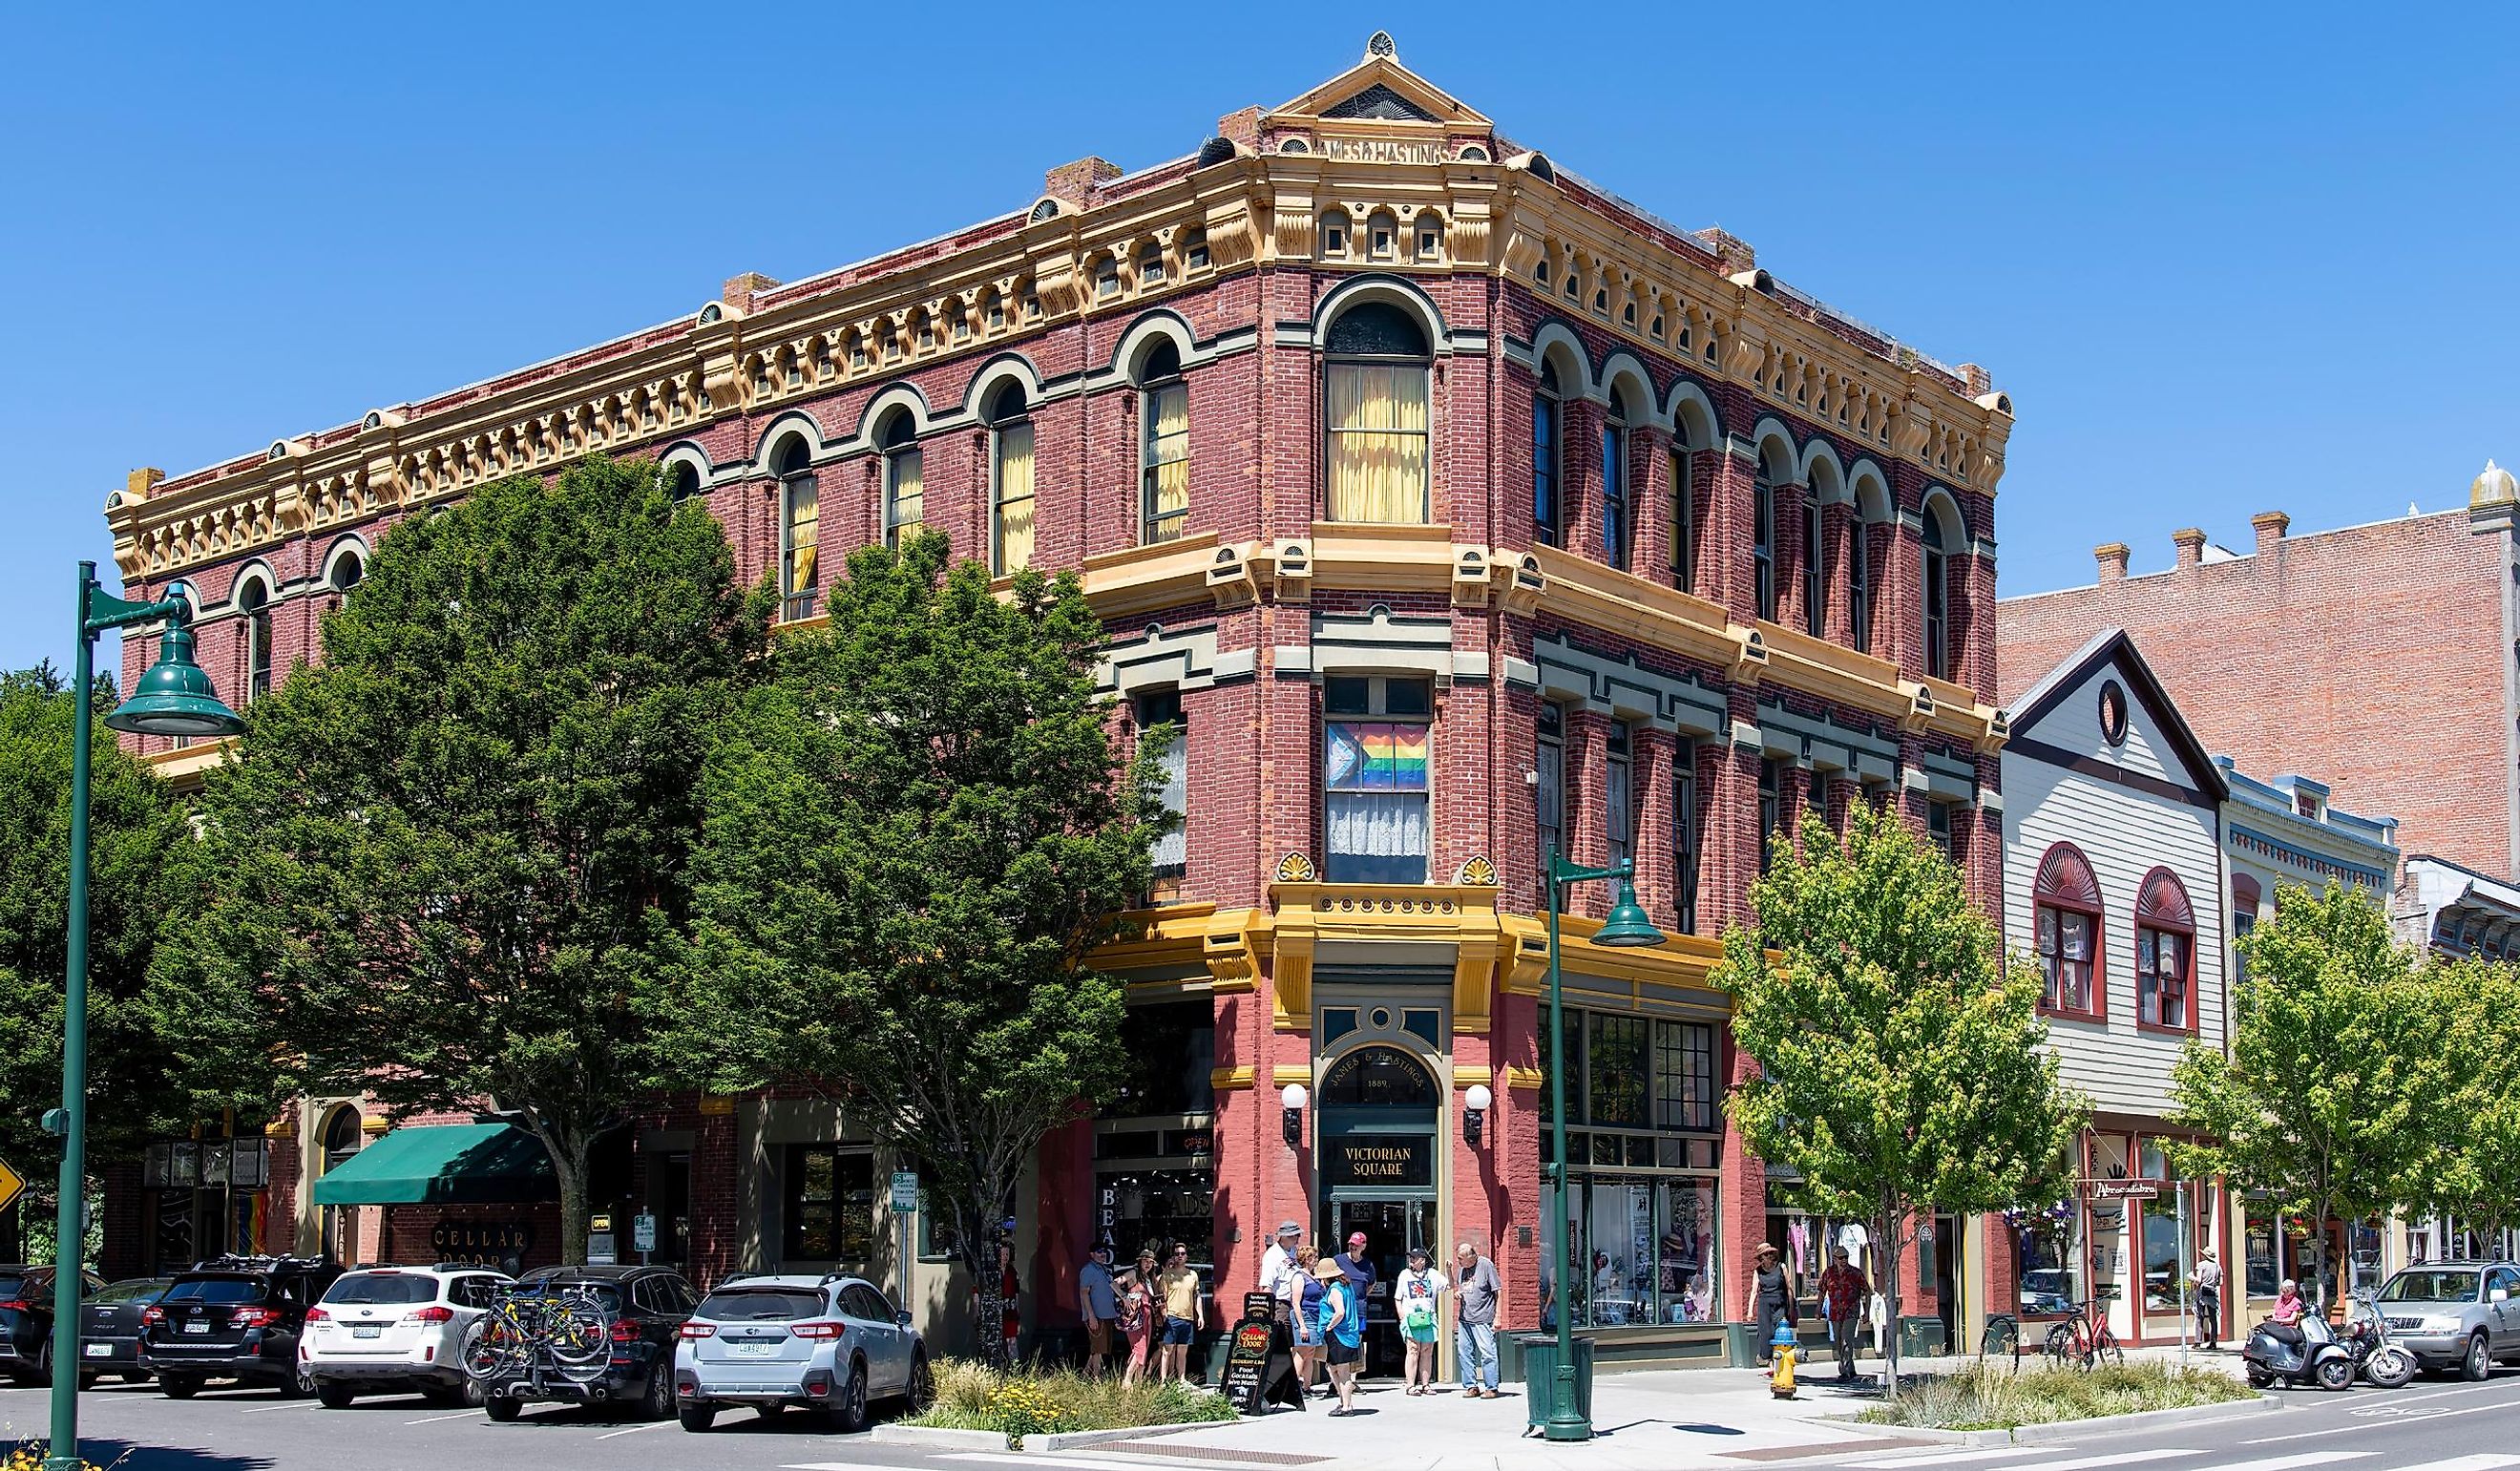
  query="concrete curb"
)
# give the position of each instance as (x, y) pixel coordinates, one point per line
(990, 1439)
(2065, 1430)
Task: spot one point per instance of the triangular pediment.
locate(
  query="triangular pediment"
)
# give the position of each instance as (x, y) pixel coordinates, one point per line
(1379, 89)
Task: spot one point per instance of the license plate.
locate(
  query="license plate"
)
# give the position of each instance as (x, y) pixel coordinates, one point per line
(369, 1330)
(753, 1350)
(97, 1350)
(196, 1327)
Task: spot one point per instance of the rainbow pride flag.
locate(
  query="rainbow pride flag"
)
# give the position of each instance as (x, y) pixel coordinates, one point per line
(1374, 756)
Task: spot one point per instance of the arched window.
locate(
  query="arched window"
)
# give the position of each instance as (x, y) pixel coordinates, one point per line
(253, 600)
(1684, 521)
(1858, 578)
(1333, 244)
(1815, 565)
(1010, 484)
(1614, 484)
(903, 478)
(1163, 446)
(2165, 953)
(348, 567)
(2246, 897)
(1936, 596)
(682, 481)
(2066, 920)
(1376, 387)
(1548, 409)
(1763, 543)
(340, 1141)
(800, 513)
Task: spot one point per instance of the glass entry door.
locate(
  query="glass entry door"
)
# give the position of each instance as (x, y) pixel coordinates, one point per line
(1391, 1227)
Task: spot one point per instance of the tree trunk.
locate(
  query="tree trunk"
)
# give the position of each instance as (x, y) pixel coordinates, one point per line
(2326, 1245)
(569, 1149)
(982, 1235)
(1893, 1224)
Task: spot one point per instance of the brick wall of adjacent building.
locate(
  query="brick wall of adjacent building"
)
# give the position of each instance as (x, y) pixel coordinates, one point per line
(2376, 658)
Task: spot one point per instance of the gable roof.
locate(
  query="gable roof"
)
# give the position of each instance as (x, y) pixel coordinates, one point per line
(2114, 646)
(1380, 89)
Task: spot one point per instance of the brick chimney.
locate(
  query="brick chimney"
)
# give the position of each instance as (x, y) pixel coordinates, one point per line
(1073, 184)
(141, 481)
(737, 293)
(1240, 128)
(2270, 526)
(2190, 543)
(2112, 558)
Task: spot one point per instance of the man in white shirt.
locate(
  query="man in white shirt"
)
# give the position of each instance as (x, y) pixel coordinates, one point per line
(1278, 1266)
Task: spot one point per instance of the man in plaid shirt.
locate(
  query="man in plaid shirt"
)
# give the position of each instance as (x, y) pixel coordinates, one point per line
(1842, 1291)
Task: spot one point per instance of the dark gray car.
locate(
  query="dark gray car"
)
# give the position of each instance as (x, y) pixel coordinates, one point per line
(2456, 1315)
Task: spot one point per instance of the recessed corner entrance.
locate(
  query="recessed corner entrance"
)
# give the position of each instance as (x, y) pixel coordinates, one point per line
(1376, 1152)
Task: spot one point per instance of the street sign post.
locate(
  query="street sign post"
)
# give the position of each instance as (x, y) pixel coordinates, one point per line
(905, 1204)
(643, 1234)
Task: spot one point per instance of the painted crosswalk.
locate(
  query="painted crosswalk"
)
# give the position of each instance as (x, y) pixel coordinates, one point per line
(2044, 1458)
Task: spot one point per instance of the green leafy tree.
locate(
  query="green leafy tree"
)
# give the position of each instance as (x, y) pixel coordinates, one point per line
(1903, 1067)
(920, 830)
(2475, 1170)
(137, 843)
(2339, 1073)
(445, 857)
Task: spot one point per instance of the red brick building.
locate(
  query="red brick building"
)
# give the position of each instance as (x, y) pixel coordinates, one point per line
(2379, 657)
(1457, 507)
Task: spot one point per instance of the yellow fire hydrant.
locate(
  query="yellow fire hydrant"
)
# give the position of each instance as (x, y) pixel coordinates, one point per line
(1780, 1378)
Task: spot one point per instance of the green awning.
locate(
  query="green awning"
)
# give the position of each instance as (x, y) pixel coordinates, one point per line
(443, 1163)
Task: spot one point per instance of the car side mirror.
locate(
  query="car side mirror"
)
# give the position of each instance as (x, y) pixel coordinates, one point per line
(902, 1318)
(2499, 1295)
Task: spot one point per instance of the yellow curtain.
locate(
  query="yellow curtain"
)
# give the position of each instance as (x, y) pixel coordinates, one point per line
(902, 512)
(804, 511)
(1167, 463)
(1014, 497)
(1377, 454)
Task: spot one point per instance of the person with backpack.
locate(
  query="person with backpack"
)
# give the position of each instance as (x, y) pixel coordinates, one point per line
(1414, 1295)
(1342, 1330)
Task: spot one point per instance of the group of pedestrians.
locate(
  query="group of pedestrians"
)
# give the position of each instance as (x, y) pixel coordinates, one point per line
(1323, 1300)
(1145, 1316)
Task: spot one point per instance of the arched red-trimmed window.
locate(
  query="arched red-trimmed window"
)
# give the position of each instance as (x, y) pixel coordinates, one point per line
(2066, 911)
(2246, 898)
(2165, 953)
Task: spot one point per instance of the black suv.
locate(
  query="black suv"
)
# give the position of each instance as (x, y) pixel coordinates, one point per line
(26, 1322)
(646, 1305)
(233, 1318)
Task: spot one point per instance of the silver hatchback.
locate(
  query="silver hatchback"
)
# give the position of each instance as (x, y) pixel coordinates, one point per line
(833, 1344)
(2456, 1315)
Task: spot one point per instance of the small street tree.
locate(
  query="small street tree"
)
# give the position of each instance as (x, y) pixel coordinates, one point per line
(445, 857)
(2339, 1070)
(1903, 1067)
(2475, 1169)
(921, 828)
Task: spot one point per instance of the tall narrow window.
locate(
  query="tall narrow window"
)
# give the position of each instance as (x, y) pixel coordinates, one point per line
(256, 599)
(1549, 789)
(1936, 590)
(799, 526)
(1771, 808)
(1375, 377)
(904, 481)
(2165, 953)
(1618, 815)
(2245, 899)
(2066, 921)
(1163, 707)
(1163, 446)
(1859, 579)
(1614, 487)
(1011, 486)
(1939, 831)
(1376, 736)
(1814, 566)
(1685, 841)
(1548, 408)
(1762, 544)
(1683, 524)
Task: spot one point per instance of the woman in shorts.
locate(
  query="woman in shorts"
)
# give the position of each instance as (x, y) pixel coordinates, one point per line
(1343, 1333)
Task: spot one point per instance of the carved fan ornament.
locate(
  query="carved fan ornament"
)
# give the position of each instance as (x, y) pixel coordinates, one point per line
(1295, 868)
(1477, 870)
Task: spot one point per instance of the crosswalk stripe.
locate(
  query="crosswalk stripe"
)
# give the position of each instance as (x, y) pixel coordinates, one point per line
(2468, 1463)
(2120, 1458)
(2300, 1459)
(1938, 1459)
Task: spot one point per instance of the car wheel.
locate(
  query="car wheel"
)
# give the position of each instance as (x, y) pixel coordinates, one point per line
(503, 1410)
(2478, 1361)
(849, 1411)
(178, 1387)
(656, 1402)
(697, 1415)
(42, 1373)
(300, 1384)
(2335, 1374)
(922, 1390)
(334, 1395)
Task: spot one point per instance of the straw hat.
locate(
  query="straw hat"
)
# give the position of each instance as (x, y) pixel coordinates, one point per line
(1764, 1250)
(1328, 1270)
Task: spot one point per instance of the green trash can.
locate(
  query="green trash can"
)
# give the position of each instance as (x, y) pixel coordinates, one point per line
(1540, 1377)
(1741, 1349)
(1920, 1337)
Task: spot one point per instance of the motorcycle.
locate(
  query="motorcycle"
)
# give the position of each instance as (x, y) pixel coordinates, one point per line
(2318, 1359)
(2375, 1355)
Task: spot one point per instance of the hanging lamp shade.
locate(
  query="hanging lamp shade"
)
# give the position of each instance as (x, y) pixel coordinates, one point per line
(1627, 924)
(175, 697)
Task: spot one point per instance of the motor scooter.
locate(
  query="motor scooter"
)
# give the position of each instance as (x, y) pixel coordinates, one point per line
(2377, 1356)
(2318, 1359)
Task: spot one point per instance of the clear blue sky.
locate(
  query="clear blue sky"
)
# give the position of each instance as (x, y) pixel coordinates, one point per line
(2225, 257)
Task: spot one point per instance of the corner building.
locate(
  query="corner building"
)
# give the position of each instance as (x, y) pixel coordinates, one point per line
(1458, 509)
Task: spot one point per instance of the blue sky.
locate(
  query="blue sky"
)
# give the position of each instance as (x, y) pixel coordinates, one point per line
(2225, 257)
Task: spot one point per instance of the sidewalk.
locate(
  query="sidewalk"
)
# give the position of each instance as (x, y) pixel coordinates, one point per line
(1642, 1421)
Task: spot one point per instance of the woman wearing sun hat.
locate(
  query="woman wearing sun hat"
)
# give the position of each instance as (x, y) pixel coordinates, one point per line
(1342, 1331)
(1771, 1296)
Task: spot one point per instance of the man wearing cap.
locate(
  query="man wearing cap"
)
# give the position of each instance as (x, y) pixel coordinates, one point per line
(1277, 1266)
(1359, 1270)
(2208, 1277)
(1475, 1287)
(1096, 1291)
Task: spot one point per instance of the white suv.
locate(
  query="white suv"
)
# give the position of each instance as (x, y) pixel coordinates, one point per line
(388, 1329)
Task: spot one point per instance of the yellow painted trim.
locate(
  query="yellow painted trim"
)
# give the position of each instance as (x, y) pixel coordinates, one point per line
(1283, 1074)
(1224, 1079)
(1624, 603)
(1473, 1077)
(1378, 557)
(1524, 1077)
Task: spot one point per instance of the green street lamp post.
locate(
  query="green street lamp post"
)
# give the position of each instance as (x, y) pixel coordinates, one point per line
(1627, 925)
(173, 698)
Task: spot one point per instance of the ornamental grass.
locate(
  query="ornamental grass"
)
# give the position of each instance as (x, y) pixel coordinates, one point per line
(1027, 1402)
(1998, 1397)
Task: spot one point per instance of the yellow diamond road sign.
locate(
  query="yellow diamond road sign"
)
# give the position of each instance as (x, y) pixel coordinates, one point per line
(10, 1186)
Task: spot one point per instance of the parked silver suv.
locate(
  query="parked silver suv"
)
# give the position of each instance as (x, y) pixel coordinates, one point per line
(831, 1344)
(2456, 1315)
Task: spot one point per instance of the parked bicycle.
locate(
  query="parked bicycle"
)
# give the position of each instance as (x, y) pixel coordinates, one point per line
(2082, 1339)
(530, 1332)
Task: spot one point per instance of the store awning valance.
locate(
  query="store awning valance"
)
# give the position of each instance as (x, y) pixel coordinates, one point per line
(443, 1163)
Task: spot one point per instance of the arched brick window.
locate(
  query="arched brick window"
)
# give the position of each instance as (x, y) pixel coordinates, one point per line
(2165, 955)
(2066, 910)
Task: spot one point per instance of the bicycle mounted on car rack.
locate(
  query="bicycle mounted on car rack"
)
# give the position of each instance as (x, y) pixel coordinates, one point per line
(532, 1334)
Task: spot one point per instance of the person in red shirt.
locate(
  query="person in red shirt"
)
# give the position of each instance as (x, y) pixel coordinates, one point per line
(1842, 1291)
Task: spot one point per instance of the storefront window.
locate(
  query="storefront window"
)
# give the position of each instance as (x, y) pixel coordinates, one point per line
(2259, 1243)
(2049, 1243)
(1155, 1147)
(827, 1204)
(1616, 1072)
(1647, 1252)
